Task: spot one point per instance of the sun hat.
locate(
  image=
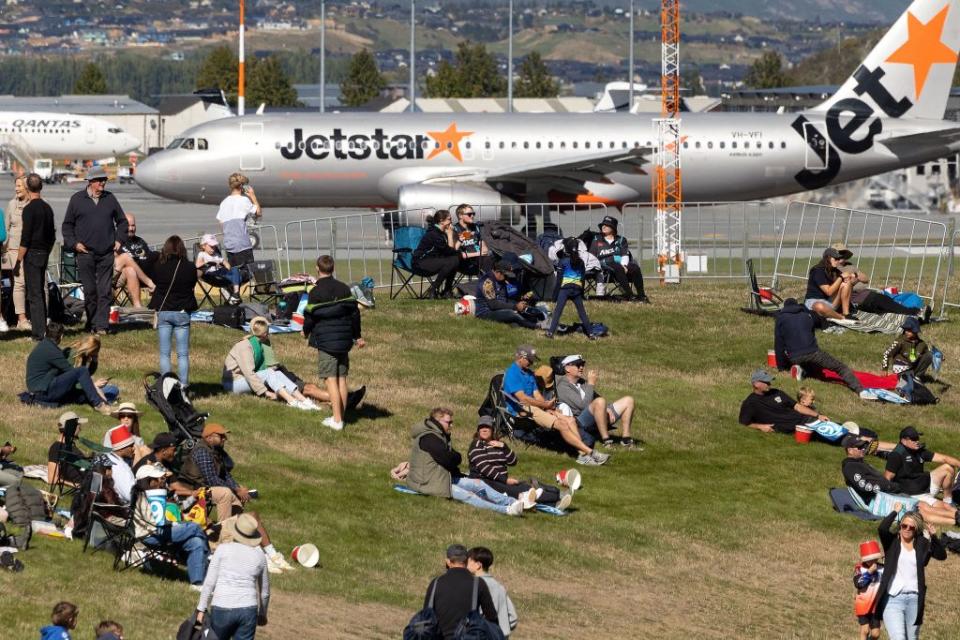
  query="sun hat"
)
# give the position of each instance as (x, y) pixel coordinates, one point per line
(212, 428)
(67, 416)
(151, 471)
(120, 438)
(845, 254)
(870, 550)
(609, 221)
(243, 529)
(96, 173)
(126, 408)
(209, 239)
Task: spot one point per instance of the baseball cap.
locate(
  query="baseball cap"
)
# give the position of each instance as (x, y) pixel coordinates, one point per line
(845, 254)
(209, 239)
(212, 428)
(504, 267)
(163, 440)
(527, 351)
(910, 433)
(150, 471)
(67, 416)
(851, 441)
(830, 252)
(572, 359)
(761, 375)
(911, 324)
(485, 421)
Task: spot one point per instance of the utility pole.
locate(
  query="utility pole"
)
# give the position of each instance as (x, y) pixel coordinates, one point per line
(630, 57)
(667, 188)
(241, 80)
(413, 56)
(323, 55)
(510, 60)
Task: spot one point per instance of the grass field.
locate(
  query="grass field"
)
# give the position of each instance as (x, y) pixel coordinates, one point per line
(714, 531)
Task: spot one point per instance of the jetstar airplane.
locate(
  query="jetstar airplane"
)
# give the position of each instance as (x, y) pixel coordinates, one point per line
(62, 135)
(887, 115)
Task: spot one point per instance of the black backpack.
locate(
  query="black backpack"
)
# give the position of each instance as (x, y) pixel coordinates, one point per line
(474, 626)
(424, 624)
(24, 504)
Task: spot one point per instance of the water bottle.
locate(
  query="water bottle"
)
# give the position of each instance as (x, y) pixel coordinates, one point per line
(601, 288)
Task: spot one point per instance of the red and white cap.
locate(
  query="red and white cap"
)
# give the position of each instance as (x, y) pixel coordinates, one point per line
(870, 550)
(120, 438)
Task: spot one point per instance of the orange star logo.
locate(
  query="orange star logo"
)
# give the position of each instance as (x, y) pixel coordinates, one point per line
(449, 141)
(923, 48)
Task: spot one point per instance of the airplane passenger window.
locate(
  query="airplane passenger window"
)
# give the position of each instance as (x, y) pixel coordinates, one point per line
(734, 144)
(696, 144)
(550, 145)
(574, 144)
(115, 130)
(613, 145)
(467, 144)
(783, 145)
(501, 144)
(538, 145)
(486, 144)
(187, 144)
(202, 144)
(526, 145)
(771, 144)
(513, 145)
(710, 145)
(624, 144)
(686, 145)
(563, 144)
(586, 145)
(723, 145)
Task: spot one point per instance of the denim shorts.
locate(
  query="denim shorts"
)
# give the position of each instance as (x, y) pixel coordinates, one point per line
(809, 302)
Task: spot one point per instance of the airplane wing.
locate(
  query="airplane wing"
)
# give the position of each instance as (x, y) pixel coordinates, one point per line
(946, 139)
(587, 168)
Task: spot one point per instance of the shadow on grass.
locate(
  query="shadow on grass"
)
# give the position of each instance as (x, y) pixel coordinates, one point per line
(201, 390)
(369, 412)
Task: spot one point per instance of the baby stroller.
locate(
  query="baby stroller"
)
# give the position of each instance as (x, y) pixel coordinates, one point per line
(165, 394)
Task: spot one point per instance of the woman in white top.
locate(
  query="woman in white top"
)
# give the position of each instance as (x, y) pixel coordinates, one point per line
(237, 586)
(903, 587)
(14, 223)
(232, 216)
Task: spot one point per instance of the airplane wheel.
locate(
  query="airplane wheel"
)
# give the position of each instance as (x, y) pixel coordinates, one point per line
(254, 239)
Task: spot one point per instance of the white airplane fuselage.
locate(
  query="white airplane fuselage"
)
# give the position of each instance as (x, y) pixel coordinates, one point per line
(725, 156)
(63, 135)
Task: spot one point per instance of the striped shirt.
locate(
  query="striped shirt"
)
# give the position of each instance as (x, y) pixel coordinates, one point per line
(490, 462)
(232, 578)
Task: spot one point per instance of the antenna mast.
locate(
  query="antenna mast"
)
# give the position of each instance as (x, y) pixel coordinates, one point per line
(667, 189)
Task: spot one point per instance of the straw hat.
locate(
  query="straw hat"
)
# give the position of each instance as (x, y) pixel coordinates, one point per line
(243, 529)
(126, 408)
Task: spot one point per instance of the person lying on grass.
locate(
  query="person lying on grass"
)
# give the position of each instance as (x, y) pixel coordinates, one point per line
(771, 410)
(879, 495)
(489, 459)
(435, 469)
(251, 366)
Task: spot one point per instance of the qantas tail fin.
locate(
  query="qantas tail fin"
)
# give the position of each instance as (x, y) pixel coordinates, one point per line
(910, 71)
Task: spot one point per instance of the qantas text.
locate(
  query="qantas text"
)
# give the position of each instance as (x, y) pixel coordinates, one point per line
(355, 146)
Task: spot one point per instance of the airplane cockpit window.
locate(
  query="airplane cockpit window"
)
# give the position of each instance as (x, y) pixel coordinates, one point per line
(202, 144)
(115, 130)
(176, 143)
(188, 144)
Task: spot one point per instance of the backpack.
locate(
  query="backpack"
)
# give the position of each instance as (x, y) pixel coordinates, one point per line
(190, 629)
(25, 504)
(474, 626)
(424, 624)
(914, 390)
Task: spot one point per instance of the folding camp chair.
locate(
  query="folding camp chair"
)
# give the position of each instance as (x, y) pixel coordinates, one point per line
(69, 281)
(764, 301)
(405, 242)
(68, 456)
(206, 289)
(521, 428)
(264, 281)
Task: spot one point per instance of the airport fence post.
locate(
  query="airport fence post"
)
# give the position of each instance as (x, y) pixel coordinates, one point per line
(333, 239)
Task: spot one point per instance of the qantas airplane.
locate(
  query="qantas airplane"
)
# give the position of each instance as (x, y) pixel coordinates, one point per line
(62, 135)
(887, 115)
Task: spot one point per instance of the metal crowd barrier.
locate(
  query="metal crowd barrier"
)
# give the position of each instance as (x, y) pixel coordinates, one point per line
(894, 251)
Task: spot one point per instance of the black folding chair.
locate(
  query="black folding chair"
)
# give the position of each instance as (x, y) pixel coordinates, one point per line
(264, 281)
(518, 427)
(764, 301)
(206, 289)
(68, 456)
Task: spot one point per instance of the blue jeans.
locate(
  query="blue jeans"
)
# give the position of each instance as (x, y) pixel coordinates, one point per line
(175, 323)
(477, 494)
(900, 614)
(63, 388)
(192, 542)
(234, 624)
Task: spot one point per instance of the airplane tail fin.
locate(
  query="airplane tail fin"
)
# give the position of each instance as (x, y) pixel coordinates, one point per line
(910, 71)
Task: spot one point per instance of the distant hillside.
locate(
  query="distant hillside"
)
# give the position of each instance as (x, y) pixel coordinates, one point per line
(881, 11)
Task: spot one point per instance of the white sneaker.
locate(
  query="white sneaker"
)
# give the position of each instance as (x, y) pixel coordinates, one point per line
(281, 562)
(310, 405)
(4, 327)
(196, 587)
(845, 322)
(599, 457)
(515, 509)
(565, 501)
(333, 424)
(866, 394)
(528, 498)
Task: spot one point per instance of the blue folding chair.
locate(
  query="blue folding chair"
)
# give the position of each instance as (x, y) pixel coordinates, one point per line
(405, 242)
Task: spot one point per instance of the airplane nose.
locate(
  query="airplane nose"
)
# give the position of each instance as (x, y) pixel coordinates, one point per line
(148, 174)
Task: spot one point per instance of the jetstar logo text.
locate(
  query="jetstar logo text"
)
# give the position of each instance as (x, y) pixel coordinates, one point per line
(344, 146)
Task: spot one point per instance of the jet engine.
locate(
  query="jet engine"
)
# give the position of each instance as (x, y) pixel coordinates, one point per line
(448, 195)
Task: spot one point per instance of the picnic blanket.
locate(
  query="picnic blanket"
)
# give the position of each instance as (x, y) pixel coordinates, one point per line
(867, 322)
(207, 317)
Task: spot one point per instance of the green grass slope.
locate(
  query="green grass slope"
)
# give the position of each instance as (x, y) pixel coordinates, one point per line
(715, 531)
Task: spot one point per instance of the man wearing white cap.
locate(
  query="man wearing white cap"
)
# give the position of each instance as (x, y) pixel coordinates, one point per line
(94, 226)
(592, 411)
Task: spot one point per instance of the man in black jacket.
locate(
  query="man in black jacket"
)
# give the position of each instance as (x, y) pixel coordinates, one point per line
(494, 301)
(36, 242)
(880, 495)
(52, 378)
(94, 226)
(796, 344)
(453, 599)
(332, 326)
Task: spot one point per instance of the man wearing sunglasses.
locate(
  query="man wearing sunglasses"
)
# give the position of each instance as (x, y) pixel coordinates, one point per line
(474, 256)
(593, 413)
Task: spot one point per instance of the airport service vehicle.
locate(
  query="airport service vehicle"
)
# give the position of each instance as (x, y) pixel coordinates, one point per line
(887, 115)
